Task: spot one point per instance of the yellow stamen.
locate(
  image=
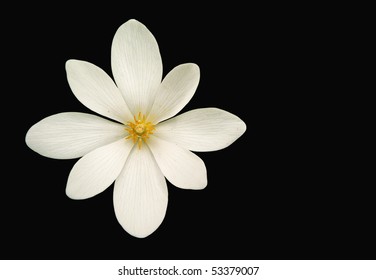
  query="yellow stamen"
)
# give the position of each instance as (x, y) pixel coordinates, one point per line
(139, 130)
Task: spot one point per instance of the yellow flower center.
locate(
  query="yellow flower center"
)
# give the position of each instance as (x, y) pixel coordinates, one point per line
(139, 130)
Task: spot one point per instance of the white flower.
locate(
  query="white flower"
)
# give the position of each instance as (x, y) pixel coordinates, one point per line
(145, 144)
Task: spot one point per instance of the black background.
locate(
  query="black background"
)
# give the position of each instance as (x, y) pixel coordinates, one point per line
(281, 191)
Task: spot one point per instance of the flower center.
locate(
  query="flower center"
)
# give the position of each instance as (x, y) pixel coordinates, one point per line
(139, 130)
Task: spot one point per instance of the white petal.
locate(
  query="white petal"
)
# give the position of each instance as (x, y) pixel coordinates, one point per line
(97, 170)
(140, 194)
(206, 129)
(96, 90)
(181, 167)
(72, 135)
(136, 65)
(175, 91)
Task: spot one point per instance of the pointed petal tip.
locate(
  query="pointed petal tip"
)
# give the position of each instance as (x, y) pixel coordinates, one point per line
(202, 184)
(70, 63)
(140, 232)
(30, 141)
(27, 136)
(189, 66)
(243, 127)
(199, 187)
(194, 68)
(70, 194)
(73, 192)
(192, 65)
(75, 196)
(132, 23)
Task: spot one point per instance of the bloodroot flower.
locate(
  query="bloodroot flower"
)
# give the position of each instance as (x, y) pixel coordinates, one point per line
(144, 144)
